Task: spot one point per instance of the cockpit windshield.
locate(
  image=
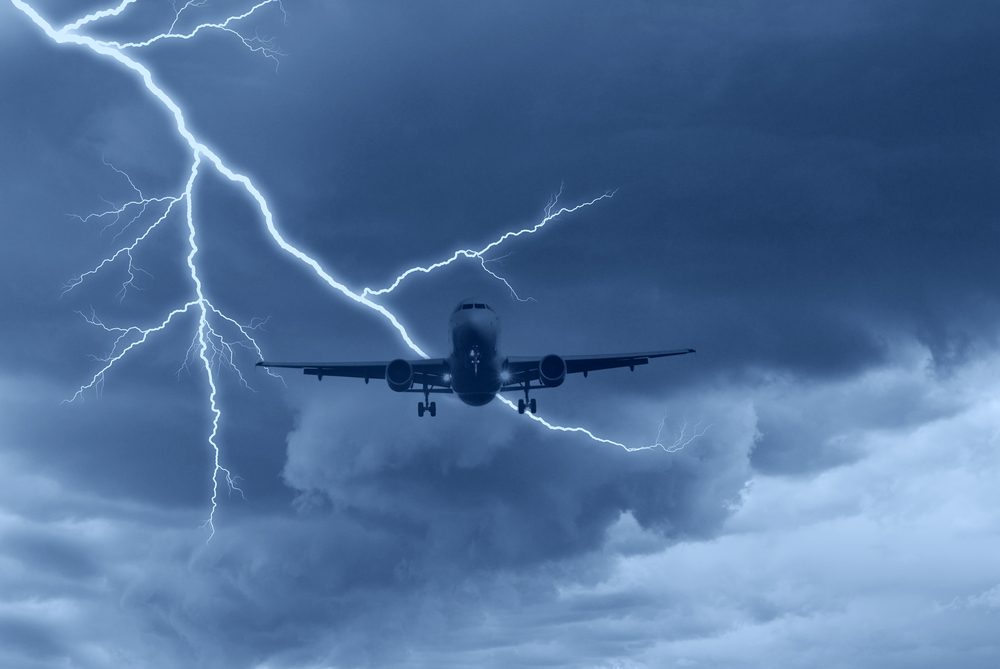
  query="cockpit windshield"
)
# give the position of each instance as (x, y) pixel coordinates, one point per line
(472, 305)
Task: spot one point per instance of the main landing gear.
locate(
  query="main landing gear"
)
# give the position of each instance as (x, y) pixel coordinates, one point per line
(427, 405)
(531, 405)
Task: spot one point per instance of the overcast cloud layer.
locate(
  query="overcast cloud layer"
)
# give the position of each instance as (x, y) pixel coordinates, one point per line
(806, 194)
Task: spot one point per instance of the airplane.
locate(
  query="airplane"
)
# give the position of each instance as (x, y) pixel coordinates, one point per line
(475, 371)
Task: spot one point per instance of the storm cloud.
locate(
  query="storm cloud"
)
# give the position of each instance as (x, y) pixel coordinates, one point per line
(805, 194)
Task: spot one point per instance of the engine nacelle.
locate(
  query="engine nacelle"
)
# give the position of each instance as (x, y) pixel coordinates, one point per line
(399, 375)
(552, 371)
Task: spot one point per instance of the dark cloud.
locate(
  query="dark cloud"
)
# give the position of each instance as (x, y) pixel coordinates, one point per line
(505, 496)
(806, 194)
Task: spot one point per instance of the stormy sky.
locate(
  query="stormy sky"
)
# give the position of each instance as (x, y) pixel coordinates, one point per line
(806, 193)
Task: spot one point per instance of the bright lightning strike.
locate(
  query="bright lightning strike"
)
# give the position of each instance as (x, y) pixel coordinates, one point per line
(682, 439)
(211, 349)
(255, 44)
(208, 343)
(551, 213)
(97, 16)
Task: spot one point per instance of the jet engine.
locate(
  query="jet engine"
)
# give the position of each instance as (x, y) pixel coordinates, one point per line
(552, 371)
(399, 375)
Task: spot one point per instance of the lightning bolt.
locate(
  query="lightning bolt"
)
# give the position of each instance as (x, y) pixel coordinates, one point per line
(255, 44)
(550, 214)
(97, 16)
(209, 346)
(503, 280)
(682, 439)
(140, 206)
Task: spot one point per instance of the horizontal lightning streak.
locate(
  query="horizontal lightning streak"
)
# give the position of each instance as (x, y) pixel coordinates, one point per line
(682, 440)
(256, 44)
(117, 212)
(473, 253)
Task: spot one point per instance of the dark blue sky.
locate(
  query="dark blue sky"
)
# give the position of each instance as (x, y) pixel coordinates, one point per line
(806, 194)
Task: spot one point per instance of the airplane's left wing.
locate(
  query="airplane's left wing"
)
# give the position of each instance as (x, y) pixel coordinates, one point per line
(429, 372)
(591, 363)
(528, 369)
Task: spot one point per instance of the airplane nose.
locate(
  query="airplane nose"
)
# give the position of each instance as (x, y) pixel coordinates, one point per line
(480, 319)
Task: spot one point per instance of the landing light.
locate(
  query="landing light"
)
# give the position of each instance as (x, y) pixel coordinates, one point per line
(505, 375)
(446, 378)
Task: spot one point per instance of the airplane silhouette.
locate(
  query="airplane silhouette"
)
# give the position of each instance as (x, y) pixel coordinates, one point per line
(475, 371)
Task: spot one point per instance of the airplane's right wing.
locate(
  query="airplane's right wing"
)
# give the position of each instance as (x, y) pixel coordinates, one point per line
(429, 372)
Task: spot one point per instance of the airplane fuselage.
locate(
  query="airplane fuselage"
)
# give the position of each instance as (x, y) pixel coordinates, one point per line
(475, 363)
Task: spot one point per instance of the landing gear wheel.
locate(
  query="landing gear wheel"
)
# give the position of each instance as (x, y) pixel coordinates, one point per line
(433, 409)
(532, 406)
(520, 406)
(420, 409)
